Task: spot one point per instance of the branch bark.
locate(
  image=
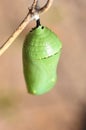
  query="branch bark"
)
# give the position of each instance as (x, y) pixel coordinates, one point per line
(33, 14)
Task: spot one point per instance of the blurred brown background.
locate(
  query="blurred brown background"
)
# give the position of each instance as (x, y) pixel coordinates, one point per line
(64, 107)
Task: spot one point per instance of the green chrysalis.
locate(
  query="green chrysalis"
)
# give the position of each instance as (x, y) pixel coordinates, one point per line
(41, 52)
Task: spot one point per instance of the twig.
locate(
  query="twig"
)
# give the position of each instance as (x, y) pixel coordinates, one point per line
(46, 7)
(14, 35)
(33, 14)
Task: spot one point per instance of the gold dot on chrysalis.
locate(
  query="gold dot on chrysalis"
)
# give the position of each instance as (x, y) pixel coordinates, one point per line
(34, 91)
(53, 80)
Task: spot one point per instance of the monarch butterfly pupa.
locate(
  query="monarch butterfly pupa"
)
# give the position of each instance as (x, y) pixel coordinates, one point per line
(41, 53)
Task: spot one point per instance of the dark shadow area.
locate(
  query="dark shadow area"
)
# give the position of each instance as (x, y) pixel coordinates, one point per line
(83, 118)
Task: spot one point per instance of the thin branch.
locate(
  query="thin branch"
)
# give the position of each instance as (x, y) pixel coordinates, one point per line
(33, 11)
(46, 7)
(34, 4)
(15, 35)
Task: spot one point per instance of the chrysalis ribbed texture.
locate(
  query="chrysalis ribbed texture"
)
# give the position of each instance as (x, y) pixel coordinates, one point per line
(41, 52)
